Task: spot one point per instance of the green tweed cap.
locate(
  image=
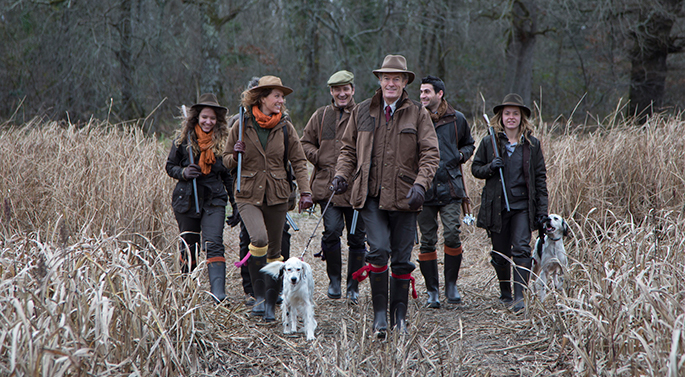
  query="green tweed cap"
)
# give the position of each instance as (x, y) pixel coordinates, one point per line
(341, 78)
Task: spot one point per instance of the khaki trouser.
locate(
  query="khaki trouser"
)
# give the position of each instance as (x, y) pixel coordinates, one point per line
(265, 226)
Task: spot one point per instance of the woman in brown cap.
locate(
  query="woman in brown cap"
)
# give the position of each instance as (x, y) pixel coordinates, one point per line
(265, 189)
(523, 168)
(206, 130)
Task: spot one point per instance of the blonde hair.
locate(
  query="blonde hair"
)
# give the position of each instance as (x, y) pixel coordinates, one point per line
(525, 127)
(220, 130)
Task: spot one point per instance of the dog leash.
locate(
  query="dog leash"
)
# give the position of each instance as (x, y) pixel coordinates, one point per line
(304, 252)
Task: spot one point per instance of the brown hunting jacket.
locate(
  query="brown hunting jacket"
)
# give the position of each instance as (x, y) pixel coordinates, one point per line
(384, 160)
(321, 141)
(264, 175)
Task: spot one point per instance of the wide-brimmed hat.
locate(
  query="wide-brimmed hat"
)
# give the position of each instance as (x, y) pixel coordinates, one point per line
(341, 78)
(271, 82)
(394, 64)
(209, 100)
(512, 99)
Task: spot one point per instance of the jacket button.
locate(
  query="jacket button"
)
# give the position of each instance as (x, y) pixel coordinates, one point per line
(260, 186)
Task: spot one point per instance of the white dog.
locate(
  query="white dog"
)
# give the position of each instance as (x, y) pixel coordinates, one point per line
(550, 259)
(298, 294)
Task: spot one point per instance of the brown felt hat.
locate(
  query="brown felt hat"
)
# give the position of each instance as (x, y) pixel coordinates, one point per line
(395, 64)
(271, 82)
(512, 99)
(209, 100)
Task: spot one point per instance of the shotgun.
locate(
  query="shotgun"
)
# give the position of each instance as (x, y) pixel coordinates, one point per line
(493, 139)
(355, 218)
(292, 222)
(240, 155)
(192, 161)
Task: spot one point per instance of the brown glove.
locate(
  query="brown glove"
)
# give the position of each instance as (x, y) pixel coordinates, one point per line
(305, 202)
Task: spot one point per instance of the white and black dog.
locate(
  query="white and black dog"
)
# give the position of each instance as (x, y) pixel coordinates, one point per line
(298, 294)
(550, 257)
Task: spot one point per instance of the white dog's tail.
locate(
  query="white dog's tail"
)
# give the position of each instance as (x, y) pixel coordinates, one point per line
(274, 269)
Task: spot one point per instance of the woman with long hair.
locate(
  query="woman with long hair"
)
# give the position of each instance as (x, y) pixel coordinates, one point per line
(523, 168)
(269, 146)
(196, 155)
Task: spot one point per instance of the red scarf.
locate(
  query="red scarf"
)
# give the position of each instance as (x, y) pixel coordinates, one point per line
(206, 143)
(264, 121)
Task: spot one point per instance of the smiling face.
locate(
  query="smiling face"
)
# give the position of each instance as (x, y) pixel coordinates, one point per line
(342, 94)
(392, 85)
(511, 118)
(429, 98)
(272, 103)
(207, 119)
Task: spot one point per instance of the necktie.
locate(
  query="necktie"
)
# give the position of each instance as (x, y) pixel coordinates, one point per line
(388, 113)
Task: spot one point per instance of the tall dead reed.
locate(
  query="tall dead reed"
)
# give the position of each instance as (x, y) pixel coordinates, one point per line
(83, 180)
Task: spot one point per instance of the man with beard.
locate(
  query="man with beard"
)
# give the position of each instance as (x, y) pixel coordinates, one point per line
(445, 195)
(321, 141)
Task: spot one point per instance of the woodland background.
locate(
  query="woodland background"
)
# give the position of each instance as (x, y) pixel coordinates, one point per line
(139, 60)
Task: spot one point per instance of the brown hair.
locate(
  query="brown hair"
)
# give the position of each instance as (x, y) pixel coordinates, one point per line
(525, 127)
(253, 97)
(188, 127)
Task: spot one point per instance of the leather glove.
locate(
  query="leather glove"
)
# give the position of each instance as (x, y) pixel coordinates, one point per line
(239, 147)
(234, 219)
(305, 202)
(541, 220)
(338, 185)
(416, 196)
(192, 171)
(497, 163)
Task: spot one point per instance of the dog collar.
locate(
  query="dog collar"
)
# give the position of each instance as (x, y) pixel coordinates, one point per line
(554, 239)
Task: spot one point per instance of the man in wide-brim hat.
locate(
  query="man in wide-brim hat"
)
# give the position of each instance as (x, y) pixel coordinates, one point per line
(389, 156)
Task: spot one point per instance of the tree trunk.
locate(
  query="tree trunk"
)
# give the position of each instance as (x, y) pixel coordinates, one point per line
(129, 106)
(652, 43)
(520, 48)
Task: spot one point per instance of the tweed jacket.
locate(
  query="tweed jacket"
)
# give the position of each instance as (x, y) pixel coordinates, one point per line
(263, 175)
(386, 159)
(322, 141)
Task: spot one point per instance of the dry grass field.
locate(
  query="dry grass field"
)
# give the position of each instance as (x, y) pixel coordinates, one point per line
(89, 283)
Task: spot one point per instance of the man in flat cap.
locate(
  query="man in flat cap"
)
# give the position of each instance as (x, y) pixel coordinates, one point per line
(389, 156)
(321, 141)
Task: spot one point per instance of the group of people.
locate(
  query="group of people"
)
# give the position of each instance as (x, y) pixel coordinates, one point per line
(379, 167)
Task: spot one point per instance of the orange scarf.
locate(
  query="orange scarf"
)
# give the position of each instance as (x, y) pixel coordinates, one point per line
(264, 121)
(207, 158)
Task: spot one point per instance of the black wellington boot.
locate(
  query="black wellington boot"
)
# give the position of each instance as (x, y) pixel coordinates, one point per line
(399, 296)
(355, 261)
(379, 297)
(429, 270)
(271, 295)
(521, 275)
(188, 259)
(258, 283)
(217, 279)
(504, 276)
(452, 266)
(334, 270)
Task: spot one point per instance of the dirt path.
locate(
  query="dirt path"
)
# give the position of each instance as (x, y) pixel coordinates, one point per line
(477, 338)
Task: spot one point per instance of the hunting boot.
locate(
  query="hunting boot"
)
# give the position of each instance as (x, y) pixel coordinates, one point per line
(379, 297)
(521, 275)
(272, 290)
(216, 269)
(355, 261)
(452, 265)
(503, 271)
(399, 296)
(255, 263)
(334, 270)
(429, 269)
(188, 259)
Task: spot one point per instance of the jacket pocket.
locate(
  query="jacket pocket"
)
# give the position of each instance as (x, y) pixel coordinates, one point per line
(247, 183)
(403, 183)
(281, 185)
(407, 143)
(182, 194)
